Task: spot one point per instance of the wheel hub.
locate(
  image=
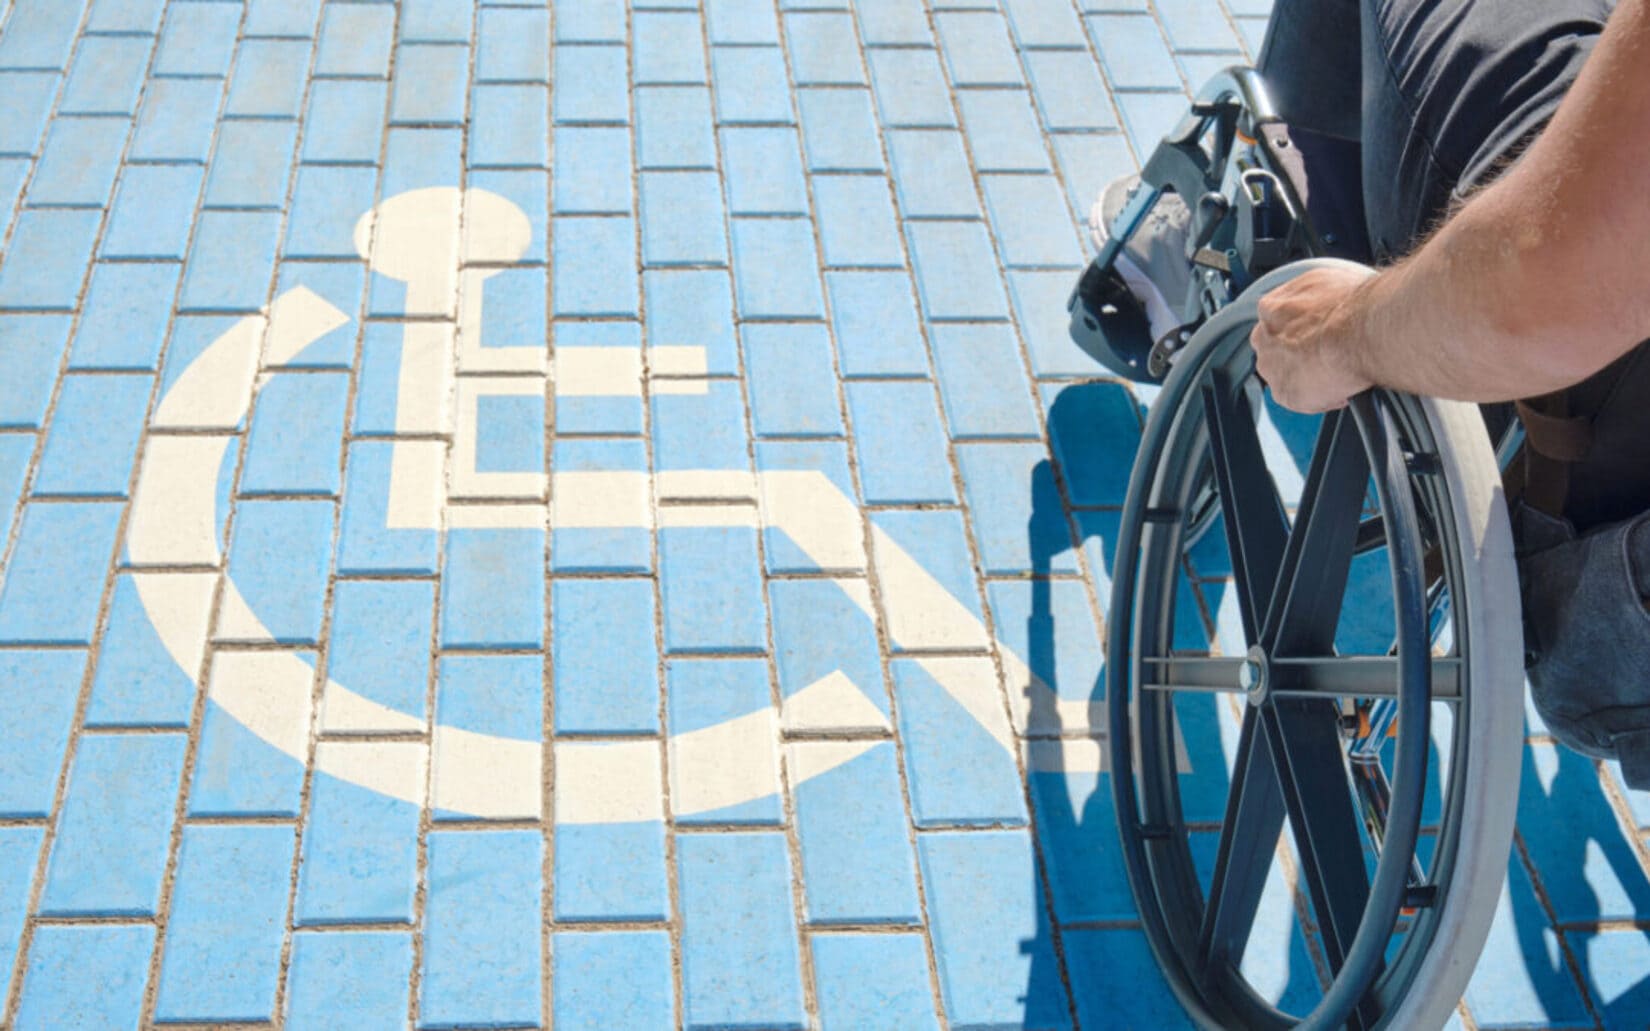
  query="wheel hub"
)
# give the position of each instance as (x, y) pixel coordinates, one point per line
(1255, 676)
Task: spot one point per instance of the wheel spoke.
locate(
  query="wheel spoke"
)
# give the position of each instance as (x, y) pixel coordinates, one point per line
(1205, 673)
(1257, 528)
(1248, 838)
(1337, 676)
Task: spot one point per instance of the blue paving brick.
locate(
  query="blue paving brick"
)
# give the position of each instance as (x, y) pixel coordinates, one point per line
(856, 221)
(611, 979)
(1018, 520)
(23, 119)
(432, 21)
(279, 557)
(380, 641)
(511, 46)
(346, 120)
(1133, 52)
(1066, 85)
(1026, 614)
(429, 85)
(44, 688)
(611, 871)
(527, 189)
(1031, 221)
(198, 39)
(116, 826)
(55, 580)
(776, 269)
(281, 18)
(711, 589)
(956, 271)
(819, 631)
(325, 206)
(94, 435)
(792, 383)
(900, 443)
(958, 773)
(875, 321)
(107, 76)
(1147, 116)
(134, 16)
(701, 431)
(293, 446)
(355, 40)
(991, 941)
(138, 683)
(894, 22)
(176, 121)
(839, 130)
(152, 212)
(47, 259)
(191, 336)
(231, 261)
(866, 981)
(482, 953)
(78, 163)
(493, 594)
(1574, 840)
(123, 321)
(16, 452)
(509, 433)
(741, 21)
(693, 307)
(370, 969)
(682, 219)
(18, 848)
(763, 170)
(592, 171)
(751, 87)
(736, 907)
(1093, 431)
(1116, 981)
(1002, 131)
(931, 175)
(1077, 830)
(237, 773)
(515, 317)
(667, 47)
(936, 540)
(592, 85)
(250, 166)
(910, 89)
(1045, 23)
(63, 961)
(1253, 31)
(1197, 26)
(360, 854)
(223, 937)
(269, 78)
(856, 850)
(1088, 163)
(39, 34)
(589, 21)
(606, 662)
(673, 129)
(978, 51)
(599, 414)
(13, 172)
(1521, 979)
(621, 549)
(1040, 311)
(587, 251)
(823, 49)
(366, 543)
(1616, 975)
(983, 382)
(495, 695)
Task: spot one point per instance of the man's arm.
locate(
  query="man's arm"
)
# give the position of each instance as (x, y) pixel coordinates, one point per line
(1536, 283)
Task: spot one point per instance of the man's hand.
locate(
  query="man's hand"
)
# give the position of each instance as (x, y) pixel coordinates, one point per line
(1308, 340)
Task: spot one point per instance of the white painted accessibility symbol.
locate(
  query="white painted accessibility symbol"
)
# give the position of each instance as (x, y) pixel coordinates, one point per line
(419, 238)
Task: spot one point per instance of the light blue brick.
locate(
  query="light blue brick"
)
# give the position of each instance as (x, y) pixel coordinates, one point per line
(269, 78)
(39, 34)
(513, 46)
(693, 307)
(1068, 90)
(1088, 163)
(176, 121)
(1043, 23)
(792, 383)
(107, 76)
(238, 773)
(959, 773)
(588, 253)
(1019, 524)
(293, 446)
(702, 694)
(1195, 26)
(1148, 116)
(823, 49)
(937, 541)
(1051, 625)
(673, 129)
(54, 582)
(857, 865)
(527, 189)
(380, 642)
(618, 415)
(875, 321)
(1133, 52)
(606, 661)
(983, 382)
(829, 458)
(515, 317)
(152, 212)
(701, 431)
(608, 979)
(16, 452)
(763, 169)
(1077, 831)
(231, 261)
(360, 855)
(367, 544)
(346, 118)
(482, 951)
(133, 16)
(278, 557)
(509, 433)
(435, 21)
(281, 18)
(839, 130)
(818, 631)
(592, 85)
(866, 981)
(325, 206)
(893, 23)
(900, 443)
(711, 590)
(978, 51)
(751, 86)
(429, 85)
(94, 435)
(250, 166)
(956, 271)
(223, 937)
(63, 961)
(856, 221)
(589, 21)
(1616, 964)
(416, 158)
(736, 907)
(910, 89)
(355, 40)
(493, 594)
(682, 219)
(509, 127)
(1253, 31)
(1040, 311)
(28, 109)
(1521, 979)
(592, 171)
(776, 269)
(13, 173)
(931, 175)
(1002, 129)
(78, 163)
(492, 695)
(191, 336)
(367, 971)
(611, 872)
(619, 549)
(1101, 960)
(123, 322)
(667, 47)
(18, 848)
(741, 21)
(1093, 430)
(198, 39)
(44, 687)
(137, 683)
(46, 262)
(115, 829)
(995, 956)
(1562, 807)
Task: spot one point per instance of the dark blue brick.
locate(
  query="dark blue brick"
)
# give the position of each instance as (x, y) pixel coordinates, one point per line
(751, 87)
(63, 960)
(199, 39)
(673, 128)
(667, 47)
(107, 76)
(510, 127)
(176, 120)
(123, 322)
(875, 321)
(78, 164)
(931, 175)
(94, 435)
(153, 212)
(430, 81)
(591, 85)
(355, 40)
(1573, 839)
(911, 90)
(823, 49)
(513, 46)
(231, 262)
(1100, 962)
(900, 443)
(983, 382)
(345, 123)
(956, 270)
(251, 165)
(55, 580)
(839, 130)
(39, 34)
(1093, 430)
(792, 382)
(29, 97)
(44, 687)
(482, 949)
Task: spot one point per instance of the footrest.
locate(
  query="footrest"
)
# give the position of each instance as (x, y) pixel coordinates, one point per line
(1110, 325)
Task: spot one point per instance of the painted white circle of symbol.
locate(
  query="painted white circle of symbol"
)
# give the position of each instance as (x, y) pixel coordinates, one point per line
(419, 239)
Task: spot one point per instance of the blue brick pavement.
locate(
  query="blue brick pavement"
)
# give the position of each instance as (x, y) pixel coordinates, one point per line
(604, 597)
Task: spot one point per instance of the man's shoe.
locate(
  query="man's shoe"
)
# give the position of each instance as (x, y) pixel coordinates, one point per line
(1153, 264)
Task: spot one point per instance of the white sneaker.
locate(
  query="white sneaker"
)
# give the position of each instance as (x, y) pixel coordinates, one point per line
(1153, 264)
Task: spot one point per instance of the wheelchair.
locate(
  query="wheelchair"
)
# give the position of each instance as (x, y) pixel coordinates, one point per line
(1365, 683)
